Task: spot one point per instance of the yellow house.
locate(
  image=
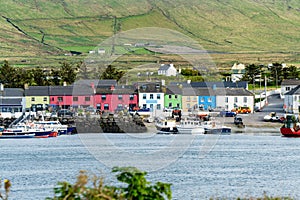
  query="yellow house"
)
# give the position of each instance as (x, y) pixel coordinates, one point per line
(37, 95)
(189, 99)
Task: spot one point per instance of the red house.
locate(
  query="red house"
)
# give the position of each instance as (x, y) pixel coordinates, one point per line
(116, 98)
(71, 96)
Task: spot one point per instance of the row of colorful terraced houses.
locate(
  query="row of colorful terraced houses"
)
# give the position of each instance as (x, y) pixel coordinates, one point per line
(108, 95)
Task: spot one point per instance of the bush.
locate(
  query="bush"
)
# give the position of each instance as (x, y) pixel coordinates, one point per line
(137, 187)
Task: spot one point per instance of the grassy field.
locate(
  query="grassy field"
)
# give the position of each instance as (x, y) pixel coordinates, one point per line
(42, 32)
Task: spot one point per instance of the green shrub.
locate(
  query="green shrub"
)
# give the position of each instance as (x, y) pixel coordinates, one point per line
(136, 187)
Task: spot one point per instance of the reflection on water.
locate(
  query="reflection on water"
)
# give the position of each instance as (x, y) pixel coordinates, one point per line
(235, 165)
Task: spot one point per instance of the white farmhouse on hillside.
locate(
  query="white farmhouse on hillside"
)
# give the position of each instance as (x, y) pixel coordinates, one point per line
(291, 101)
(288, 85)
(237, 72)
(230, 98)
(167, 70)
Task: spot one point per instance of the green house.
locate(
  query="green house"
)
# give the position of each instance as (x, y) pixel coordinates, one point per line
(173, 97)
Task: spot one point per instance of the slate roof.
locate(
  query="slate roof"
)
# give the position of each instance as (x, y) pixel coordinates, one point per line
(233, 92)
(37, 91)
(173, 89)
(294, 91)
(148, 87)
(211, 84)
(11, 101)
(13, 92)
(164, 67)
(290, 82)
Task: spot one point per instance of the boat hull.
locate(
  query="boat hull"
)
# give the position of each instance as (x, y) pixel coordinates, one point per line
(190, 130)
(289, 132)
(18, 135)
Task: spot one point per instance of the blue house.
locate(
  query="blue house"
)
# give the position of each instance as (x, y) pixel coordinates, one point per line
(206, 98)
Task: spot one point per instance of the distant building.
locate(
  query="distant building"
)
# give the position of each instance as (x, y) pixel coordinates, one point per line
(288, 85)
(237, 72)
(291, 101)
(167, 70)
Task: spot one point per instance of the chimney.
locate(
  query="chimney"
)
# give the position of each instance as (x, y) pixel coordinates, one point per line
(112, 87)
(65, 83)
(26, 86)
(163, 82)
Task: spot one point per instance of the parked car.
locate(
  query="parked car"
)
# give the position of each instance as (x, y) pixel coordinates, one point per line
(227, 113)
(65, 113)
(238, 120)
(90, 110)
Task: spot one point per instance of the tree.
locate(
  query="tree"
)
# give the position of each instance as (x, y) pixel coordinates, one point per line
(7, 75)
(67, 73)
(112, 73)
(251, 72)
(290, 72)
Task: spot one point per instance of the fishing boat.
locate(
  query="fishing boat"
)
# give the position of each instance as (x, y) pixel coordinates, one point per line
(214, 127)
(190, 126)
(39, 132)
(6, 134)
(290, 127)
(55, 126)
(166, 126)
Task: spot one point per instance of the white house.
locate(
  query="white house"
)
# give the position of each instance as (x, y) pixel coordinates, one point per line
(288, 85)
(167, 70)
(291, 101)
(237, 72)
(151, 96)
(230, 98)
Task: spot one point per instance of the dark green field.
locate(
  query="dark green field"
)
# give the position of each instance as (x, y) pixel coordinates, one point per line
(42, 32)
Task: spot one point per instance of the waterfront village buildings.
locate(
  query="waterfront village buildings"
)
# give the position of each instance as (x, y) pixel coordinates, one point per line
(107, 95)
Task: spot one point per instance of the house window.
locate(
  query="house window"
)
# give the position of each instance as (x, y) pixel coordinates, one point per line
(158, 106)
(170, 105)
(245, 99)
(226, 107)
(120, 97)
(60, 99)
(75, 98)
(176, 97)
(188, 105)
(52, 98)
(295, 98)
(158, 96)
(170, 96)
(151, 96)
(32, 98)
(131, 97)
(144, 106)
(195, 98)
(106, 106)
(103, 97)
(178, 105)
(45, 99)
(188, 98)
(202, 99)
(209, 99)
(87, 98)
(235, 99)
(226, 99)
(287, 88)
(144, 96)
(151, 106)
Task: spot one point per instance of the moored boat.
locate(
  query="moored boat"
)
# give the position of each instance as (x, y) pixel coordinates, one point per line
(190, 126)
(15, 135)
(166, 126)
(290, 127)
(214, 127)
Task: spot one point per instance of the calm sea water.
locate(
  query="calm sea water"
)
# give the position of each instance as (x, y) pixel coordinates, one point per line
(199, 167)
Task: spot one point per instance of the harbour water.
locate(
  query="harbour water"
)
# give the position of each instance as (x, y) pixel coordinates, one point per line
(199, 167)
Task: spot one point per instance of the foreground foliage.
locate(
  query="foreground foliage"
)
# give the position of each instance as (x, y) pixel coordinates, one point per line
(7, 186)
(136, 187)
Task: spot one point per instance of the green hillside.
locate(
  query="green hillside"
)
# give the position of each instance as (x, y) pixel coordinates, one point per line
(42, 32)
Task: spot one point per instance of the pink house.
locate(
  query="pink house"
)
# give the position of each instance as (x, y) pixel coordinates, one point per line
(115, 98)
(71, 96)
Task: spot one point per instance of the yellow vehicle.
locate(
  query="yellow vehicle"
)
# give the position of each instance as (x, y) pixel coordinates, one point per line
(242, 109)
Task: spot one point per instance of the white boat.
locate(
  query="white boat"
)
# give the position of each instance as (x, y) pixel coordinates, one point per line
(166, 126)
(214, 127)
(53, 125)
(190, 126)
